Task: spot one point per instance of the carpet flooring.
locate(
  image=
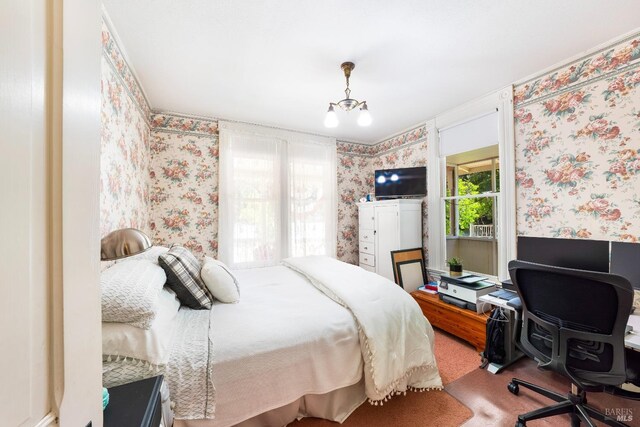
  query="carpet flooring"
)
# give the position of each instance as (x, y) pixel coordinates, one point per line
(433, 408)
(472, 397)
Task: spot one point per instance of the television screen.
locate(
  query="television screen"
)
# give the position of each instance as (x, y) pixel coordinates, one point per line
(403, 182)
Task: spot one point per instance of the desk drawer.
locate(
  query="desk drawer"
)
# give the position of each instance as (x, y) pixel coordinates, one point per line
(366, 247)
(367, 259)
(366, 235)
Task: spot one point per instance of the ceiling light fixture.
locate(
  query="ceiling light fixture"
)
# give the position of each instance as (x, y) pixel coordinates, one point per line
(347, 104)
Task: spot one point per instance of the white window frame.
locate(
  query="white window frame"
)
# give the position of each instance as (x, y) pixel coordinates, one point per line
(501, 100)
(490, 194)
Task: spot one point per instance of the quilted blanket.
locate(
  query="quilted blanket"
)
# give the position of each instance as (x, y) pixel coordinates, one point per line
(396, 340)
(188, 371)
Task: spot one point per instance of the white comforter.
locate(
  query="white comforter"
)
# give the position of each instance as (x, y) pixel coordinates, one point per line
(283, 340)
(397, 342)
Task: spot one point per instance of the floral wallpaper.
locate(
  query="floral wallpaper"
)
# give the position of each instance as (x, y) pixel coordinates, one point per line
(577, 158)
(356, 166)
(124, 160)
(405, 151)
(184, 183)
(355, 179)
(578, 148)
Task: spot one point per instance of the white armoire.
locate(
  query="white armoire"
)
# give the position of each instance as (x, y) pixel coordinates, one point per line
(386, 226)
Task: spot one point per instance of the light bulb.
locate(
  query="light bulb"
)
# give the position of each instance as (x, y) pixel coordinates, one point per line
(364, 119)
(381, 179)
(331, 119)
(394, 177)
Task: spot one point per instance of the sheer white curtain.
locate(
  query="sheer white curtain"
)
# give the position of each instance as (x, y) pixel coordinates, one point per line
(277, 195)
(312, 198)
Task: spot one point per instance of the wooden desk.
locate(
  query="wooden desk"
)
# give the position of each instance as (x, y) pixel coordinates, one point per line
(463, 323)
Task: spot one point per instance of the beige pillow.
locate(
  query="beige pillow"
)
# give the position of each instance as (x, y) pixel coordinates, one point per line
(636, 299)
(220, 281)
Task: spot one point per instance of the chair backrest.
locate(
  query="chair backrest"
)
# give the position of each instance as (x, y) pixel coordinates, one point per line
(574, 321)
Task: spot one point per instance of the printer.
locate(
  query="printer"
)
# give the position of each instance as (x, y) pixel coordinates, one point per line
(465, 291)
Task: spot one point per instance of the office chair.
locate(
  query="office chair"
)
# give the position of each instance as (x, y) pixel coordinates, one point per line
(573, 322)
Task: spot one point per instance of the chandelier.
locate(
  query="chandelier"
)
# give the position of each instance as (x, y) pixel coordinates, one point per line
(347, 104)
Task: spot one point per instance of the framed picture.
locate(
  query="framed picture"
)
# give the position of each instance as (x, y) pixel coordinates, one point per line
(411, 274)
(405, 255)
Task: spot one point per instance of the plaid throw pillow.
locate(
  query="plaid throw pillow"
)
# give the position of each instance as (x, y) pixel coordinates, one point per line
(183, 277)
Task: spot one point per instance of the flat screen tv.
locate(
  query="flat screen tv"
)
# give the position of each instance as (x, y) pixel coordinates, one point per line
(404, 182)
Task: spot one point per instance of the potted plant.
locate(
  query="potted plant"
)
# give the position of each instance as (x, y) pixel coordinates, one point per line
(455, 266)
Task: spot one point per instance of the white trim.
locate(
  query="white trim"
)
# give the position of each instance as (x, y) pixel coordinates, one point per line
(436, 247)
(471, 196)
(49, 420)
(503, 101)
(507, 200)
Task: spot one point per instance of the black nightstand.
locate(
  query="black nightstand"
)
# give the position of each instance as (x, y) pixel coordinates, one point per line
(135, 404)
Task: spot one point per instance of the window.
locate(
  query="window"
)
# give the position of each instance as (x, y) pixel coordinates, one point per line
(471, 202)
(277, 195)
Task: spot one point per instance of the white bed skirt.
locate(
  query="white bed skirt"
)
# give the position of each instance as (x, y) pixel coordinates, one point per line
(336, 406)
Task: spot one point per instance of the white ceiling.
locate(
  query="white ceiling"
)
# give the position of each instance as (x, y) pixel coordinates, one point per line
(277, 62)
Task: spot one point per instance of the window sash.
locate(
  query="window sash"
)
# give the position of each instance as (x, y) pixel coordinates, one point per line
(471, 196)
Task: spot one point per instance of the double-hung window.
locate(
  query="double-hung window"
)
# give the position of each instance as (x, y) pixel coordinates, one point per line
(472, 199)
(470, 209)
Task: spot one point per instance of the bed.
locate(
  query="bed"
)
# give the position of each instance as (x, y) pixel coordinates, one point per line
(290, 348)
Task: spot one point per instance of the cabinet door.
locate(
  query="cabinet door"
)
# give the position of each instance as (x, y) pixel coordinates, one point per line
(365, 217)
(386, 232)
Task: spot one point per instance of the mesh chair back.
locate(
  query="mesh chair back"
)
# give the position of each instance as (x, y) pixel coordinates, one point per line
(574, 321)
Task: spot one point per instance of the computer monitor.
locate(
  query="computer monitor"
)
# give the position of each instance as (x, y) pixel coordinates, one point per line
(625, 261)
(581, 254)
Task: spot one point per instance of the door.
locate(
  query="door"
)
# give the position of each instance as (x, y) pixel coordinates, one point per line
(24, 311)
(387, 239)
(365, 217)
(49, 221)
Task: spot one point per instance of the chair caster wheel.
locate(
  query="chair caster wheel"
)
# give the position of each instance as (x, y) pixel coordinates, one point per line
(513, 388)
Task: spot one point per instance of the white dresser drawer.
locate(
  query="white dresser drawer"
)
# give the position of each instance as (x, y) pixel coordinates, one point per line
(366, 235)
(366, 247)
(368, 268)
(367, 259)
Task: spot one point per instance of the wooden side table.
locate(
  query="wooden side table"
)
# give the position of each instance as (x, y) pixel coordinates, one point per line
(135, 404)
(463, 323)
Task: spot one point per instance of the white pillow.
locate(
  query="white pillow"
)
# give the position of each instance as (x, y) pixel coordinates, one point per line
(220, 281)
(153, 344)
(130, 291)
